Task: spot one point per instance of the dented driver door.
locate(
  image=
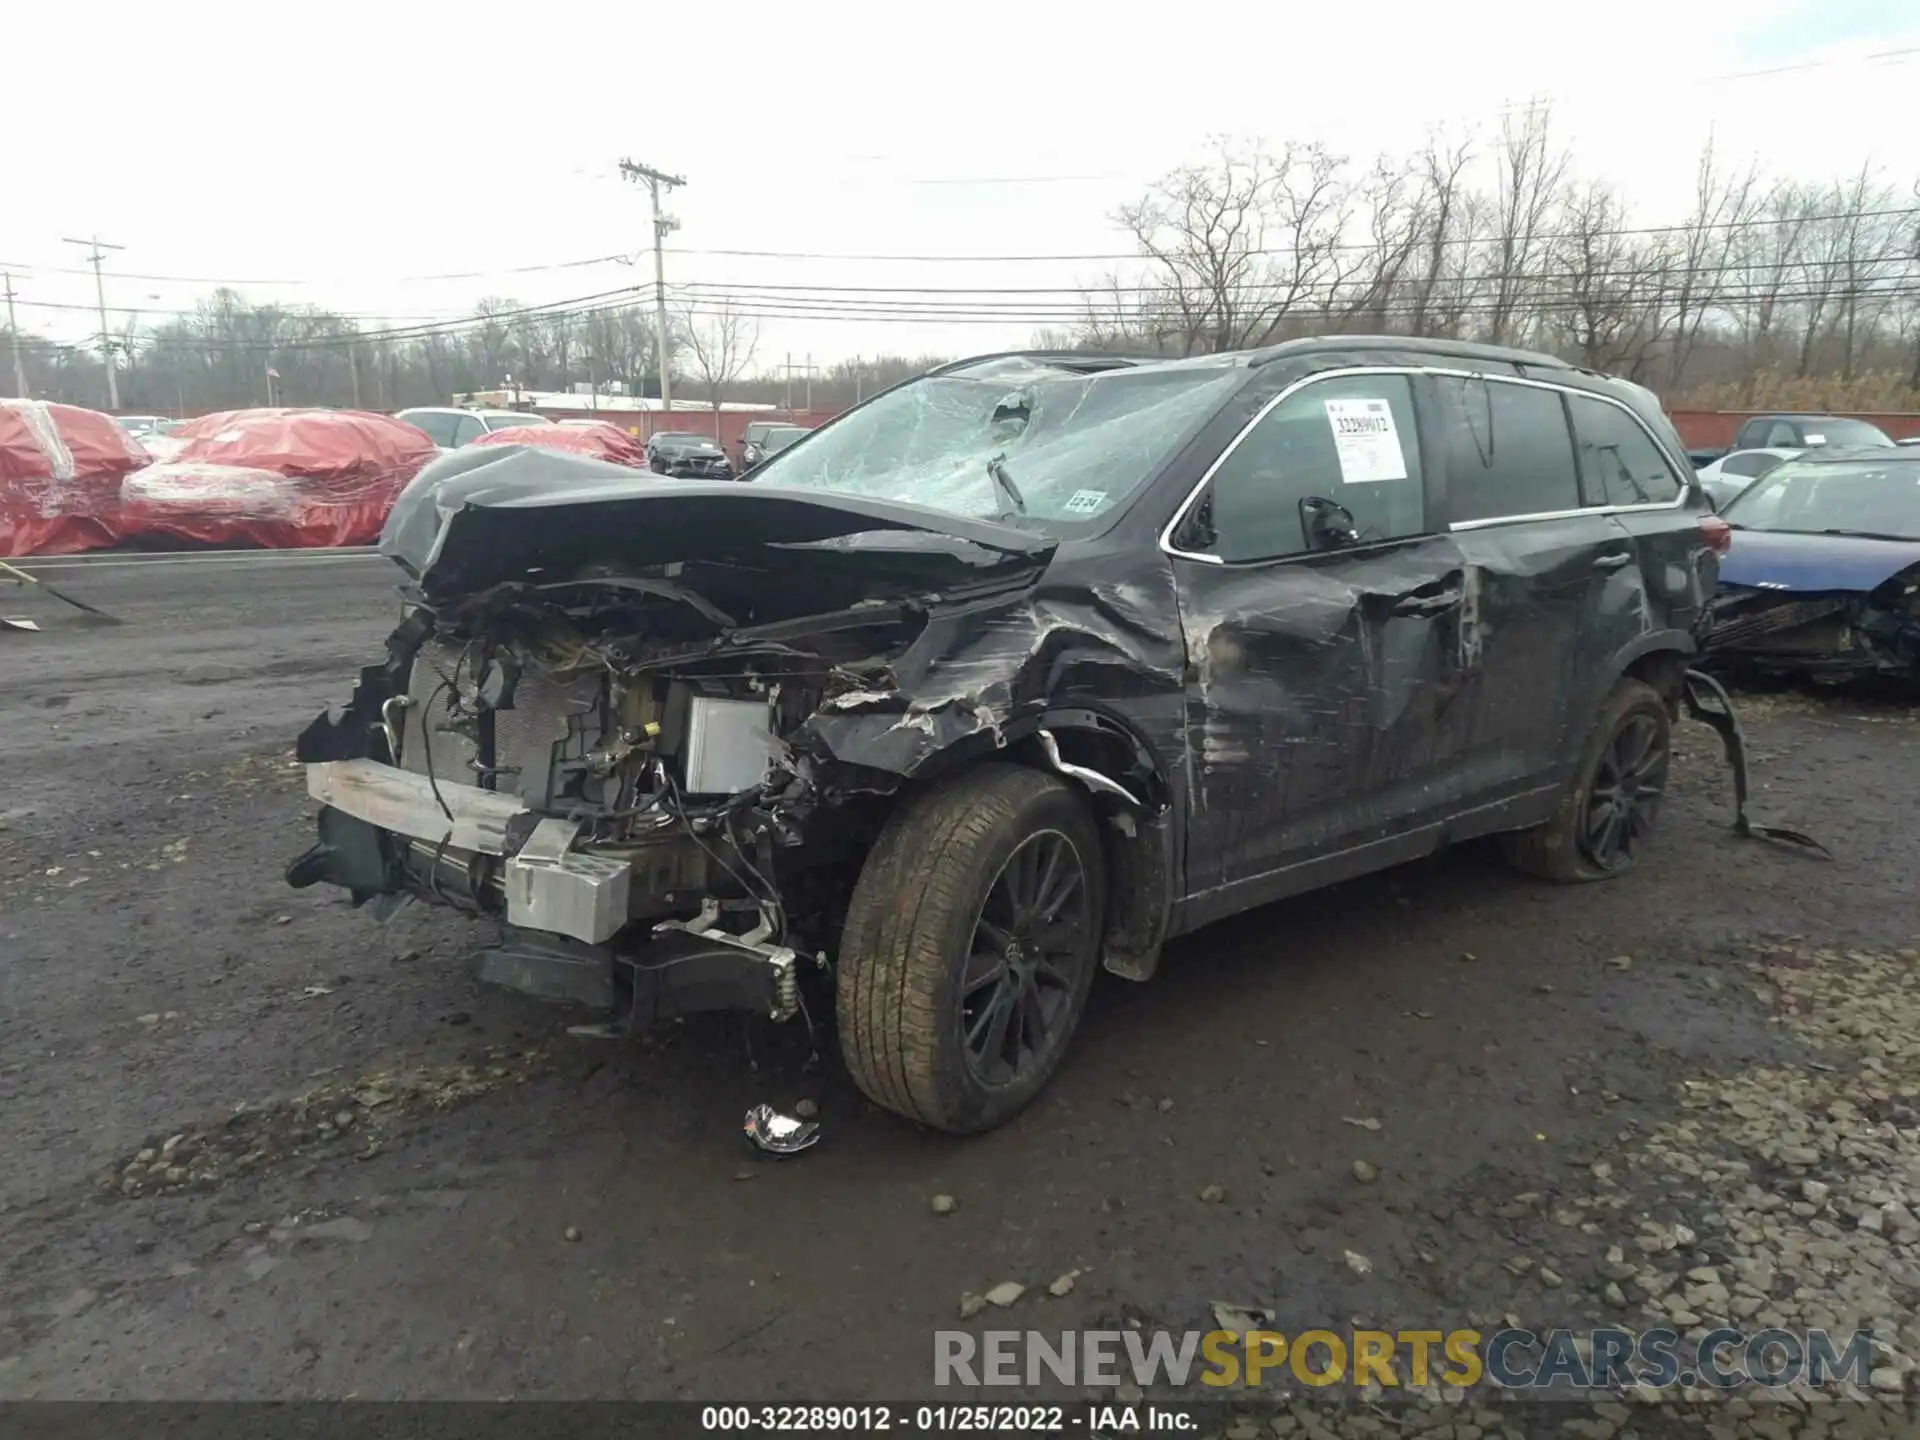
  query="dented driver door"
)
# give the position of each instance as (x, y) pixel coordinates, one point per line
(1330, 701)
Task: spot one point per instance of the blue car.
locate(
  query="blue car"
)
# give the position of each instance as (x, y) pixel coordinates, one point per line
(1823, 577)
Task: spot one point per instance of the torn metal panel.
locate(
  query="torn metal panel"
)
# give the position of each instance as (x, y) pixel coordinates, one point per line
(1332, 694)
(479, 518)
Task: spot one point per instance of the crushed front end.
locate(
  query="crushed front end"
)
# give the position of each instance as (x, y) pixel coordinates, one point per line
(585, 801)
(1830, 636)
(619, 762)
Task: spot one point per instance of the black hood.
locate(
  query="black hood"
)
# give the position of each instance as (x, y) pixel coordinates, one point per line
(482, 516)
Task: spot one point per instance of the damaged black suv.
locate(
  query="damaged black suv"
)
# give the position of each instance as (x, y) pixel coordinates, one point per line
(1015, 671)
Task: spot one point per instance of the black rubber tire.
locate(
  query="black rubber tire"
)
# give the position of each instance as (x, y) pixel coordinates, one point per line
(1552, 851)
(910, 925)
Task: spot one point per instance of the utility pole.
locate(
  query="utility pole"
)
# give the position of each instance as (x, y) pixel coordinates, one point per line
(663, 226)
(790, 367)
(13, 330)
(100, 297)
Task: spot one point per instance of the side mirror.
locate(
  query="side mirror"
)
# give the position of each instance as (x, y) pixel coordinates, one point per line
(1328, 526)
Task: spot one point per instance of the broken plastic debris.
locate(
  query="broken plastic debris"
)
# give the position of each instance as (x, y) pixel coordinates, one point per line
(779, 1134)
(1240, 1319)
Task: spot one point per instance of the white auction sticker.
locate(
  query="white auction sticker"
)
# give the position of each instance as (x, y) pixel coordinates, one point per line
(1366, 440)
(1085, 502)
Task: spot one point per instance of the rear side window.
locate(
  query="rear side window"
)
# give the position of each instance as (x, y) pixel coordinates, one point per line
(1619, 463)
(467, 429)
(439, 428)
(1507, 448)
(1349, 439)
(1751, 466)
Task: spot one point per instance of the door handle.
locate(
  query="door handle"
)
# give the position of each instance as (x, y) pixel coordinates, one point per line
(1427, 604)
(1613, 561)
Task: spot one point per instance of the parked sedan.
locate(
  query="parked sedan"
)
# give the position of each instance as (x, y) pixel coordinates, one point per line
(762, 441)
(683, 454)
(1734, 471)
(1823, 578)
(1013, 673)
(1807, 432)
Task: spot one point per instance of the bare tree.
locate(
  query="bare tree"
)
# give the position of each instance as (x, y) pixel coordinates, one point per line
(491, 337)
(1705, 251)
(1448, 213)
(1871, 244)
(1767, 255)
(1609, 311)
(1395, 203)
(1532, 170)
(1234, 244)
(721, 341)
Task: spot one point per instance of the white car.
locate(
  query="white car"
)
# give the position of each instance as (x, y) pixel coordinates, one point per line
(450, 428)
(1737, 469)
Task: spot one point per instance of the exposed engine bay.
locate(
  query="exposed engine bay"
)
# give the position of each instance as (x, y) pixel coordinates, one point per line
(631, 736)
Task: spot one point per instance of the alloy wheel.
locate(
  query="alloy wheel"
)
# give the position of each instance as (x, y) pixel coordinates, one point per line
(1031, 945)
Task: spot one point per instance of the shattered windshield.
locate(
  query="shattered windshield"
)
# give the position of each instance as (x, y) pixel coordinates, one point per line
(1862, 497)
(1041, 444)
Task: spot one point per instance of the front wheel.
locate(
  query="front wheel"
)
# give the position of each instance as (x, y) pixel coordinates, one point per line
(1607, 816)
(970, 946)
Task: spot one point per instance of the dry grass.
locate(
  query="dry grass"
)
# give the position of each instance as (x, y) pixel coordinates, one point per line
(1772, 389)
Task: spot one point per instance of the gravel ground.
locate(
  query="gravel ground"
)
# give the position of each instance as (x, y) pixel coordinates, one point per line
(254, 1145)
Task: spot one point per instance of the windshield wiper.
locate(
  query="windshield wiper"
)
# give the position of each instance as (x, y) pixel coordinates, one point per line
(997, 469)
(1869, 535)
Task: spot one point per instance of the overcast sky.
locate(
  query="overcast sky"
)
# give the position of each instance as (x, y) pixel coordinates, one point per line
(332, 159)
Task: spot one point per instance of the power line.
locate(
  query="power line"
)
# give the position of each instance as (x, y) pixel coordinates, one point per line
(776, 290)
(1755, 223)
(1884, 290)
(621, 258)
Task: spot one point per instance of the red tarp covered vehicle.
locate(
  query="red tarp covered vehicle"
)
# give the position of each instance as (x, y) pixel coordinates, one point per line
(284, 479)
(599, 440)
(60, 474)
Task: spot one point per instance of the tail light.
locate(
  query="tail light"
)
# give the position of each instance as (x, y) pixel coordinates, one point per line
(1717, 533)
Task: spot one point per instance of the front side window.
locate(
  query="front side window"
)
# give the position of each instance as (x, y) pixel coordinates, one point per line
(1031, 444)
(1507, 447)
(1619, 463)
(1348, 441)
